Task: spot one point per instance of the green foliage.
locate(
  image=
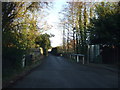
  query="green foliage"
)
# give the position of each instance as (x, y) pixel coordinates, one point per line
(19, 31)
(106, 28)
(43, 41)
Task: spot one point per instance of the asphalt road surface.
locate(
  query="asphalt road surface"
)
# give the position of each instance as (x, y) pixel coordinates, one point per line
(58, 72)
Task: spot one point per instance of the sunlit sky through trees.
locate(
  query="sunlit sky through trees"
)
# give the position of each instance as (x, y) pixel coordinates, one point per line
(53, 20)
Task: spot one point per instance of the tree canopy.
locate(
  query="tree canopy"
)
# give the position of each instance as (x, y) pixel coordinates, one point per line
(19, 30)
(43, 41)
(106, 27)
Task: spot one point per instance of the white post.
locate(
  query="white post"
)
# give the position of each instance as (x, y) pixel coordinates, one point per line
(77, 58)
(83, 60)
(23, 61)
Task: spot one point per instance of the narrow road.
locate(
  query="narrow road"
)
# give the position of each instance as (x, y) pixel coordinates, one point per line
(57, 72)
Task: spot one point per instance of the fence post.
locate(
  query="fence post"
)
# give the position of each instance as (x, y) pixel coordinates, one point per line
(23, 61)
(83, 60)
(77, 58)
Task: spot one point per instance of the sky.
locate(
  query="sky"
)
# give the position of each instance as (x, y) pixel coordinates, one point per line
(53, 19)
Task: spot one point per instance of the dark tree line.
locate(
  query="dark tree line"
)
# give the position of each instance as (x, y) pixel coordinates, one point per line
(20, 32)
(91, 23)
(106, 28)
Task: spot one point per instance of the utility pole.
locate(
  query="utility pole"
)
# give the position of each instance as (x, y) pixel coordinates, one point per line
(68, 39)
(77, 51)
(74, 39)
(63, 37)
